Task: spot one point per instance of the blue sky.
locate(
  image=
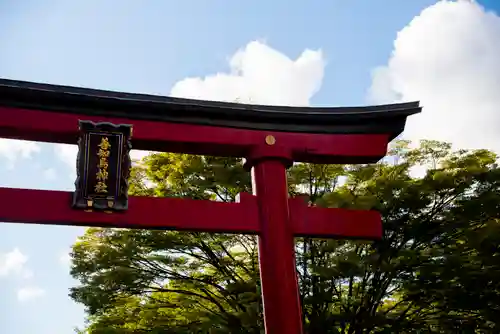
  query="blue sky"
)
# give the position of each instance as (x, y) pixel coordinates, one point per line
(153, 48)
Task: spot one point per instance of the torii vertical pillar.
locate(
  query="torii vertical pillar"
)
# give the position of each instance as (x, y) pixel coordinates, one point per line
(280, 292)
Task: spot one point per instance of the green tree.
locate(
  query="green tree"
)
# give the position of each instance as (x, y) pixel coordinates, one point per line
(141, 281)
(440, 238)
(358, 287)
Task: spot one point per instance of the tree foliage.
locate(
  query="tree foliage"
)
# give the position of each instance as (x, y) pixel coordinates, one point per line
(436, 270)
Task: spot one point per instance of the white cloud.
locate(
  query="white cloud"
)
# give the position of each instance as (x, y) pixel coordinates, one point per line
(448, 58)
(50, 174)
(30, 292)
(65, 258)
(261, 75)
(12, 150)
(13, 263)
(138, 155)
(67, 154)
(258, 74)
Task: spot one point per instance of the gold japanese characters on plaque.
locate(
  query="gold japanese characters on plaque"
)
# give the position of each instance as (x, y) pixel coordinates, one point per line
(103, 167)
(101, 186)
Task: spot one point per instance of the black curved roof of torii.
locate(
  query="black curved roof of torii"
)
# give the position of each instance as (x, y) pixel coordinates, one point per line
(390, 118)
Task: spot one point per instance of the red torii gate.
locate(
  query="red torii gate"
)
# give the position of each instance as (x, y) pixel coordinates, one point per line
(271, 138)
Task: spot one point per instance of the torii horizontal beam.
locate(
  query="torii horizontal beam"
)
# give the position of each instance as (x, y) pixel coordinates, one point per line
(49, 113)
(384, 119)
(44, 126)
(53, 208)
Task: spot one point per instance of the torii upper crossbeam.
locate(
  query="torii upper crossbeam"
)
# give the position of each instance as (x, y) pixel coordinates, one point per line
(271, 138)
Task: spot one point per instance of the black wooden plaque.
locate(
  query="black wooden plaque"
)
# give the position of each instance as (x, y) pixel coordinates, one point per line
(103, 166)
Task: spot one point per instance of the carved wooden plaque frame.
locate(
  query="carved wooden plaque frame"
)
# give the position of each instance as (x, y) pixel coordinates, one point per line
(103, 166)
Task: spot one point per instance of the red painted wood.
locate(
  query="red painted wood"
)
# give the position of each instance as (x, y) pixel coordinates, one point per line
(271, 214)
(54, 207)
(280, 293)
(334, 223)
(37, 125)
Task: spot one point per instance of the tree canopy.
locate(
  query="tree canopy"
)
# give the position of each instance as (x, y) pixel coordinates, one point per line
(436, 270)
